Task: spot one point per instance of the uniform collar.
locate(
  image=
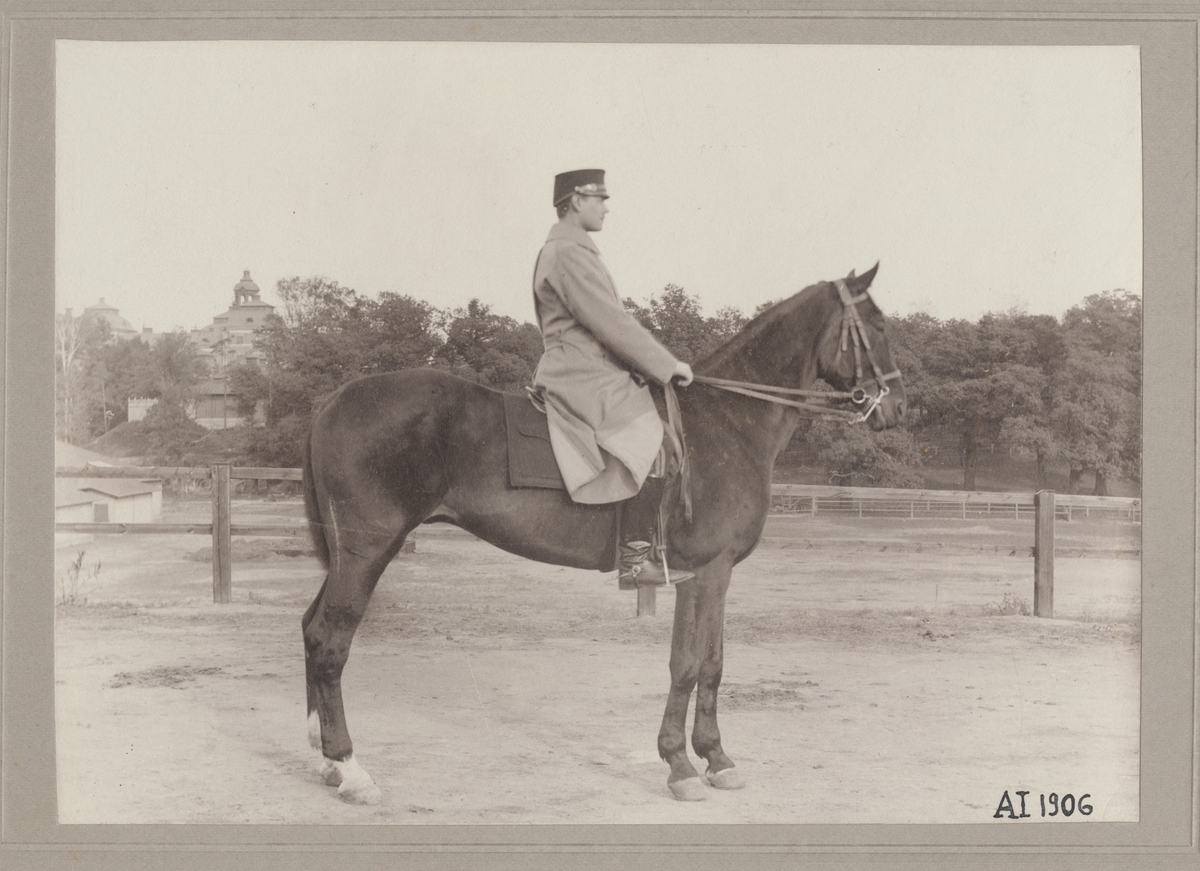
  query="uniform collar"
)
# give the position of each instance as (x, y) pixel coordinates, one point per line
(572, 234)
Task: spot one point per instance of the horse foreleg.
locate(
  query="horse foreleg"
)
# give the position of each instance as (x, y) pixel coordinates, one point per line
(684, 781)
(710, 629)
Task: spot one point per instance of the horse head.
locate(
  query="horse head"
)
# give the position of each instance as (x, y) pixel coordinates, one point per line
(853, 354)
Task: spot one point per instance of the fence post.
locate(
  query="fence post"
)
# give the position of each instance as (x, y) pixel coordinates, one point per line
(222, 540)
(647, 595)
(1043, 554)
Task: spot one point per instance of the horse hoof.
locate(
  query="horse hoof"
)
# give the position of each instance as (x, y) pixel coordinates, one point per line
(330, 773)
(356, 786)
(364, 793)
(726, 778)
(688, 789)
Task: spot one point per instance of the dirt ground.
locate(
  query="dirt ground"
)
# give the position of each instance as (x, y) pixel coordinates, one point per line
(862, 685)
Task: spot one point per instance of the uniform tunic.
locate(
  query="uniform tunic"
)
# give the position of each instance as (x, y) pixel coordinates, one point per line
(604, 428)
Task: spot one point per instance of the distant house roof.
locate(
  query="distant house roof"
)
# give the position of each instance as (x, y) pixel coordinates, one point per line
(214, 387)
(118, 488)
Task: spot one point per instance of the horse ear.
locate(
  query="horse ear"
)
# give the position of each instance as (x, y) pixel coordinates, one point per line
(863, 281)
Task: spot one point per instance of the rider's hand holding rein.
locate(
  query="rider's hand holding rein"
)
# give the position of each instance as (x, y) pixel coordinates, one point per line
(683, 373)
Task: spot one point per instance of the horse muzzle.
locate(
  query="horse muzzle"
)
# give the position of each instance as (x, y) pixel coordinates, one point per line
(882, 410)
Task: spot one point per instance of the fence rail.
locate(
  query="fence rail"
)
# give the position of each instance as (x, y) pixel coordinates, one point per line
(165, 473)
(962, 504)
(805, 498)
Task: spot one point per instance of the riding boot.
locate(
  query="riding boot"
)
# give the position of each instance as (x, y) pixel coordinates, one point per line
(638, 559)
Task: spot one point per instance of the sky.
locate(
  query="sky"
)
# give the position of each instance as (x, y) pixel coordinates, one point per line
(981, 178)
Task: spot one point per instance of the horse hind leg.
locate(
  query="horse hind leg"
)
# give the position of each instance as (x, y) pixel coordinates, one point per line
(357, 559)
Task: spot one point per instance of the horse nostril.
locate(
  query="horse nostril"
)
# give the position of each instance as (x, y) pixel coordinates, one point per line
(900, 409)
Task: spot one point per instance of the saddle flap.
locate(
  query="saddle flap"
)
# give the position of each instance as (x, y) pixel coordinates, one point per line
(534, 429)
(531, 461)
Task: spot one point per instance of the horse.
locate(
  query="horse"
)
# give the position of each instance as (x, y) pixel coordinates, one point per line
(388, 452)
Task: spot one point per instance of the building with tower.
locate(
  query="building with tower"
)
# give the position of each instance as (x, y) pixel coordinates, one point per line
(119, 328)
(225, 343)
(229, 339)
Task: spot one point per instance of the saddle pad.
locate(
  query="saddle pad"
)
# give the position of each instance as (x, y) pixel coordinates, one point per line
(531, 460)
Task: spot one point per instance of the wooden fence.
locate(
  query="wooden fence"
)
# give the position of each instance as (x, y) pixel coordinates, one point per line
(950, 504)
(222, 529)
(1043, 508)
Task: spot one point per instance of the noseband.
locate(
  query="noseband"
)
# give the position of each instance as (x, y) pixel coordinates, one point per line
(852, 331)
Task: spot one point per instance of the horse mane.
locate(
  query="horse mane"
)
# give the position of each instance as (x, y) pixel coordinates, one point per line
(750, 340)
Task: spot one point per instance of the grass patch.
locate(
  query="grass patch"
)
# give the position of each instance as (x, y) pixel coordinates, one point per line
(1010, 606)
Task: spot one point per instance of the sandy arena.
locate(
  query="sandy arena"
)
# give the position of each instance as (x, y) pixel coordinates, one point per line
(861, 685)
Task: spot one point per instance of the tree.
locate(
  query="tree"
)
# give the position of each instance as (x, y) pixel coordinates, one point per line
(251, 386)
(1092, 409)
(875, 459)
(320, 342)
(974, 385)
(178, 369)
(907, 337)
(127, 368)
(170, 432)
(1035, 342)
(676, 319)
(403, 333)
(76, 342)
(325, 336)
(491, 349)
(1098, 402)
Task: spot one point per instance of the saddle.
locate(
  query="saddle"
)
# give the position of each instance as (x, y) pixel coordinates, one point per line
(531, 460)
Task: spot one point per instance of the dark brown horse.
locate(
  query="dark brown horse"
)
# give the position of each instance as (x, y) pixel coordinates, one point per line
(387, 453)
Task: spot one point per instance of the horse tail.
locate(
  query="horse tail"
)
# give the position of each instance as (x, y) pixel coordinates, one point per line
(316, 528)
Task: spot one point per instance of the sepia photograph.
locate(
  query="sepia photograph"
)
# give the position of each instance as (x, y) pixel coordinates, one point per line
(898, 309)
(601, 435)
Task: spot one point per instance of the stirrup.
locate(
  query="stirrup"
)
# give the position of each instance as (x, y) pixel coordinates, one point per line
(637, 569)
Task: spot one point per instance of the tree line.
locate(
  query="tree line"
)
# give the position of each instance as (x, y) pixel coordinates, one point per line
(1067, 390)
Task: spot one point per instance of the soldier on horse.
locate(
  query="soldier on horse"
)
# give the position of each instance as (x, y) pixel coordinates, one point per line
(607, 436)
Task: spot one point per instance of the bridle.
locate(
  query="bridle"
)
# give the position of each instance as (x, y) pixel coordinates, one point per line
(852, 334)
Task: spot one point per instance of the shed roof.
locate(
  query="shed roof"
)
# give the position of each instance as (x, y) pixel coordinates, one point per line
(67, 493)
(118, 488)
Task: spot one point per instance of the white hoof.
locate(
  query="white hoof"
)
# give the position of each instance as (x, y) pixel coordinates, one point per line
(356, 787)
(330, 773)
(727, 778)
(688, 789)
(314, 731)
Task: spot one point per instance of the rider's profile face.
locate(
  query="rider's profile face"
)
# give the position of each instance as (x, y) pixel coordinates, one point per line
(591, 212)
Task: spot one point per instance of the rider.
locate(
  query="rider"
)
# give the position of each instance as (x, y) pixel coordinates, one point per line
(605, 431)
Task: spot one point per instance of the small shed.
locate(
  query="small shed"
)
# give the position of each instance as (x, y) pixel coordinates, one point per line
(121, 500)
(106, 500)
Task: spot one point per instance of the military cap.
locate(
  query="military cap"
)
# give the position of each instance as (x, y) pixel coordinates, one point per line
(589, 182)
